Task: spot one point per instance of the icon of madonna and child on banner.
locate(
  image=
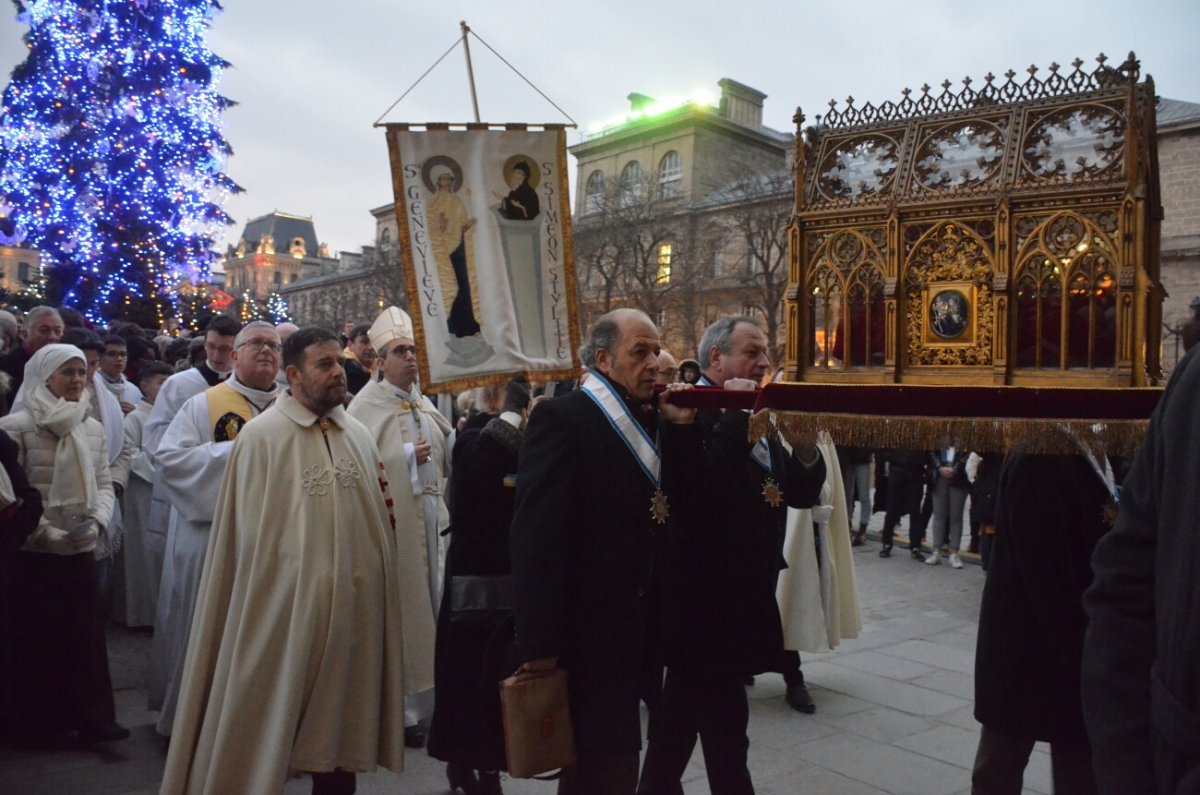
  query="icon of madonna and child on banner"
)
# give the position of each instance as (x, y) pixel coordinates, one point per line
(485, 234)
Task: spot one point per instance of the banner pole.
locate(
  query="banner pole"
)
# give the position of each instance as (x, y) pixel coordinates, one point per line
(470, 71)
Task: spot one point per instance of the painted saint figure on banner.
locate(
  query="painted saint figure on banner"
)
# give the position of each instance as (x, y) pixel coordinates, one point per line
(520, 228)
(521, 203)
(450, 237)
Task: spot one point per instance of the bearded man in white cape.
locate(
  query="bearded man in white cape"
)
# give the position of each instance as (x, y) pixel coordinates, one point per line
(294, 664)
(414, 440)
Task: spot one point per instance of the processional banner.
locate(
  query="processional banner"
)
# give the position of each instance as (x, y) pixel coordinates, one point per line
(485, 233)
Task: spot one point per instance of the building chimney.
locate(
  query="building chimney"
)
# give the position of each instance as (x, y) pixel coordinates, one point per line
(741, 104)
(638, 102)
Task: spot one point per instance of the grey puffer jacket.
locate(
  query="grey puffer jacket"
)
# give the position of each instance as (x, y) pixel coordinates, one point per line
(36, 456)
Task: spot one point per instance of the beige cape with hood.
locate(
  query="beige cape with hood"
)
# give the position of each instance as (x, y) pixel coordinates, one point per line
(294, 662)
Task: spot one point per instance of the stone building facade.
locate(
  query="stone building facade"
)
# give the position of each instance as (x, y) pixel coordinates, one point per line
(358, 288)
(275, 250)
(682, 212)
(1179, 180)
(20, 269)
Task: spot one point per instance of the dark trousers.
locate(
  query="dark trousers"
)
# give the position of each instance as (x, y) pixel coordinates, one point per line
(59, 654)
(792, 675)
(904, 497)
(600, 773)
(337, 782)
(1001, 759)
(705, 704)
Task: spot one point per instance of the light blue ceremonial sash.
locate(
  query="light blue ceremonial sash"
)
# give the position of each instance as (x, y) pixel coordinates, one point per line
(759, 453)
(629, 429)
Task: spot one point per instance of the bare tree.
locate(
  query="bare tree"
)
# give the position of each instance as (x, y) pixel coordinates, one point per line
(760, 212)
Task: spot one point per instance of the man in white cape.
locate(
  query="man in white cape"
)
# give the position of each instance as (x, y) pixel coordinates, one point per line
(818, 592)
(191, 460)
(414, 440)
(295, 661)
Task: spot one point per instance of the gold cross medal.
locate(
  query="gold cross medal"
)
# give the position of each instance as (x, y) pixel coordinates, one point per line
(771, 493)
(659, 508)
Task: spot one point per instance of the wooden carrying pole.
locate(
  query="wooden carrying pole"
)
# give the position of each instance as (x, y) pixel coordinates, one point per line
(470, 71)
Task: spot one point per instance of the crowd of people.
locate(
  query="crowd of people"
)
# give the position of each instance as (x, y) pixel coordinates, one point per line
(334, 568)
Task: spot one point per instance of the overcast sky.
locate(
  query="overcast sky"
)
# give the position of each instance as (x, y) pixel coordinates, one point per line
(311, 76)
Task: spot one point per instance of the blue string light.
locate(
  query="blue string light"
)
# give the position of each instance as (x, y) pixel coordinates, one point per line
(111, 153)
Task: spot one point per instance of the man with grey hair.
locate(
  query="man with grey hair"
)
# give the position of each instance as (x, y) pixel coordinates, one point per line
(721, 621)
(593, 500)
(43, 326)
(191, 461)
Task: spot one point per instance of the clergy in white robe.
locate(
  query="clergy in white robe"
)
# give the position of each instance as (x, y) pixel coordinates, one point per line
(295, 659)
(142, 552)
(191, 461)
(414, 440)
(817, 592)
(178, 389)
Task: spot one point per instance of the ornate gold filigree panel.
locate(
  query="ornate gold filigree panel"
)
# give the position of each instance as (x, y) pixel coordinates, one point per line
(951, 264)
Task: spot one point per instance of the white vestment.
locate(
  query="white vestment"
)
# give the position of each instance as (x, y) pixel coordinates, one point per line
(817, 592)
(295, 658)
(175, 391)
(124, 390)
(190, 466)
(143, 548)
(421, 515)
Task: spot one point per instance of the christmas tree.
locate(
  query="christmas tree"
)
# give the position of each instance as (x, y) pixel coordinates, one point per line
(111, 152)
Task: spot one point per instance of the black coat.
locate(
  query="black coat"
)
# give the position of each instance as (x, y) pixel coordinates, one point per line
(726, 546)
(468, 662)
(583, 549)
(357, 376)
(16, 523)
(985, 488)
(1049, 516)
(1140, 674)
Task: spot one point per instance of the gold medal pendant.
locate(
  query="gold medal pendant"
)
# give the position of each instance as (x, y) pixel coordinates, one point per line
(1109, 513)
(659, 508)
(772, 494)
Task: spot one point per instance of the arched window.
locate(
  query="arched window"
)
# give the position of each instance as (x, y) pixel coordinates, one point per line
(631, 183)
(1066, 300)
(1039, 314)
(825, 319)
(670, 176)
(867, 323)
(593, 193)
(385, 238)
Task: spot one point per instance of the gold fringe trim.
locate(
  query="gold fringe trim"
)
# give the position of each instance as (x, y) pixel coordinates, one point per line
(981, 435)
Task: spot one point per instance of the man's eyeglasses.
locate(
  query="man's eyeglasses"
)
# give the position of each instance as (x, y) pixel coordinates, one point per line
(258, 345)
(404, 350)
(669, 372)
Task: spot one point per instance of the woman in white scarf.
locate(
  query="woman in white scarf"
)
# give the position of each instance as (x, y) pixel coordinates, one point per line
(60, 657)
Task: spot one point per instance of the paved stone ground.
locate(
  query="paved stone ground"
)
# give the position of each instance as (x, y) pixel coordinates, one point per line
(894, 709)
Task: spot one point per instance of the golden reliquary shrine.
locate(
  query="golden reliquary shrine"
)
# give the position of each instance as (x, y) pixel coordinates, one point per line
(1005, 234)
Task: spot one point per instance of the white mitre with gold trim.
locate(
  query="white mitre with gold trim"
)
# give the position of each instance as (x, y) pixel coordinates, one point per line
(393, 323)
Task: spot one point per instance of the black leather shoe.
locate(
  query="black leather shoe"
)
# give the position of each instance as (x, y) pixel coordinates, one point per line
(886, 552)
(917, 555)
(799, 699)
(489, 783)
(414, 737)
(459, 776)
(103, 733)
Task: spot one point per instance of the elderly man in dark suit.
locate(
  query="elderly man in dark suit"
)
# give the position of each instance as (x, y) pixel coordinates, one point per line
(721, 621)
(592, 496)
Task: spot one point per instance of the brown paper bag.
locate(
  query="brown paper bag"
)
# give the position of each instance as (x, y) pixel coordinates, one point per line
(537, 723)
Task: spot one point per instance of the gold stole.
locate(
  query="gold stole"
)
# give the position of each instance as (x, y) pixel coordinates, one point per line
(228, 411)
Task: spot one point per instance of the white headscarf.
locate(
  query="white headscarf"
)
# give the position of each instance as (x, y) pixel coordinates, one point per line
(73, 486)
